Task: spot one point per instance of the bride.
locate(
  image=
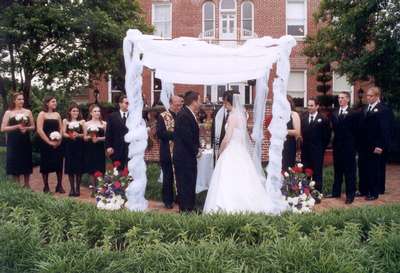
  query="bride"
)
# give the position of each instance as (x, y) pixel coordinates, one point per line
(236, 186)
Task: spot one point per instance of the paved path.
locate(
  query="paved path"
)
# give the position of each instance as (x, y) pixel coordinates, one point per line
(392, 194)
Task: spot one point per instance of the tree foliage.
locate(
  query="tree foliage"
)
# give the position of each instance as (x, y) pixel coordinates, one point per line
(361, 39)
(62, 42)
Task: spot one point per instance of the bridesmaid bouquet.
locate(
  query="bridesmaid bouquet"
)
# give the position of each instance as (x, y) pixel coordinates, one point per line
(73, 128)
(111, 186)
(55, 136)
(20, 119)
(299, 189)
(93, 131)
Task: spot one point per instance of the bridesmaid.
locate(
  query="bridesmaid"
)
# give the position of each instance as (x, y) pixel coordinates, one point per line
(18, 123)
(294, 131)
(49, 128)
(94, 135)
(74, 155)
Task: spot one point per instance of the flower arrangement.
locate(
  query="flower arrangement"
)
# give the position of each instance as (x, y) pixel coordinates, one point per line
(73, 128)
(111, 186)
(92, 131)
(55, 136)
(20, 119)
(299, 189)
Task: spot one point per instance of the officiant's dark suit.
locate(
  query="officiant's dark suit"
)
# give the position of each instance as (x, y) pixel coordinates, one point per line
(185, 152)
(115, 133)
(316, 134)
(373, 139)
(344, 125)
(165, 133)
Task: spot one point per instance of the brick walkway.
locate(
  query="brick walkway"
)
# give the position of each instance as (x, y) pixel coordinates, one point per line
(392, 194)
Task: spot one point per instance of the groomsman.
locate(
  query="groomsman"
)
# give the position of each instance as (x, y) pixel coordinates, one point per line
(374, 137)
(186, 148)
(116, 147)
(316, 135)
(344, 124)
(165, 132)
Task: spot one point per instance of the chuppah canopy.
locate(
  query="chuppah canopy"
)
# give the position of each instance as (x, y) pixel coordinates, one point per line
(192, 61)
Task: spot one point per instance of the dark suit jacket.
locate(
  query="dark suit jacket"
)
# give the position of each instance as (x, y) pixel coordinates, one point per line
(374, 129)
(164, 136)
(345, 129)
(316, 136)
(116, 130)
(187, 141)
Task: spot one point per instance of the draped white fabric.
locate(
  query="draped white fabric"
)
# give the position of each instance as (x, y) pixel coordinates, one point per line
(192, 61)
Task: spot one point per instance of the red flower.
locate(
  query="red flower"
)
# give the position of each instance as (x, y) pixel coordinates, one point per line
(98, 174)
(117, 164)
(125, 172)
(117, 184)
(296, 169)
(295, 187)
(308, 172)
(306, 191)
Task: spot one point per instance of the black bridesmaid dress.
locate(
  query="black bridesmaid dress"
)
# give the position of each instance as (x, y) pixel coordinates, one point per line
(289, 148)
(95, 157)
(51, 160)
(74, 154)
(19, 152)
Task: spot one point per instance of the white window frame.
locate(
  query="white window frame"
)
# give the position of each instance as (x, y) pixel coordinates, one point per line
(227, 10)
(242, 89)
(305, 98)
(242, 19)
(152, 88)
(203, 19)
(298, 37)
(170, 16)
(337, 91)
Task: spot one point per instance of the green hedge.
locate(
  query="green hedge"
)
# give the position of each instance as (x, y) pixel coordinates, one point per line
(41, 234)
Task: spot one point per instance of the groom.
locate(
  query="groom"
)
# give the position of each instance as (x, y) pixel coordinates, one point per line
(186, 148)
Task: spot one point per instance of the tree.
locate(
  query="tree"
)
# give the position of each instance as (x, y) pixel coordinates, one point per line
(360, 39)
(61, 43)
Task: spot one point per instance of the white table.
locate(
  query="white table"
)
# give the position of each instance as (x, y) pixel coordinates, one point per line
(205, 168)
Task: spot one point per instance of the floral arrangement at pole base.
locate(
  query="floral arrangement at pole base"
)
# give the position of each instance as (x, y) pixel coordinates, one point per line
(299, 189)
(111, 186)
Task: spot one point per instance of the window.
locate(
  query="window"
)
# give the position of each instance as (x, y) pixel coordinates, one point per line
(156, 90)
(340, 83)
(208, 19)
(161, 20)
(214, 93)
(296, 18)
(228, 4)
(247, 19)
(297, 86)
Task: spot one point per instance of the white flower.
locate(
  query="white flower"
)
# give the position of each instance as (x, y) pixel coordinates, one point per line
(305, 209)
(296, 210)
(375, 110)
(73, 125)
(319, 120)
(300, 184)
(312, 183)
(55, 136)
(295, 200)
(115, 172)
(19, 117)
(286, 174)
(93, 128)
(303, 196)
(300, 165)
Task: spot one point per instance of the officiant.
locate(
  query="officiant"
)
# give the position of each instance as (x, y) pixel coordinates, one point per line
(165, 133)
(219, 122)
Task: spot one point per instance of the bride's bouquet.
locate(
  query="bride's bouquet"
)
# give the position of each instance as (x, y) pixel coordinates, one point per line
(299, 189)
(111, 186)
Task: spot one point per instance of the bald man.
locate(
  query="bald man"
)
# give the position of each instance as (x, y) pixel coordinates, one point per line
(165, 132)
(373, 143)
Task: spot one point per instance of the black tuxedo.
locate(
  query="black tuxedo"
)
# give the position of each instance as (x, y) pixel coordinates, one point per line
(115, 133)
(374, 132)
(165, 137)
(186, 147)
(222, 133)
(316, 137)
(344, 151)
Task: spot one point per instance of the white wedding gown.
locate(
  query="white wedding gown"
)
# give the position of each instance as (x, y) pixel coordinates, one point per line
(236, 186)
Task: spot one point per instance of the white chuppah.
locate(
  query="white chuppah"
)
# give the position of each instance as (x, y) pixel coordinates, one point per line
(193, 61)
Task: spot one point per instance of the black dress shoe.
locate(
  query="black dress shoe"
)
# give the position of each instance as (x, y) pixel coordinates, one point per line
(359, 194)
(349, 200)
(371, 198)
(168, 206)
(332, 196)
